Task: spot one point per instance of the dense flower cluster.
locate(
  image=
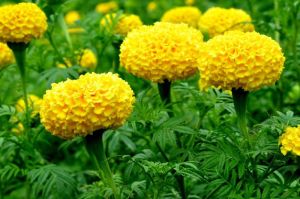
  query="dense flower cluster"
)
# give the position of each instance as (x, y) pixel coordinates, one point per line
(88, 59)
(121, 25)
(290, 141)
(216, 21)
(188, 15)
(240, 60)
(71, 17)
(80, 107)
(106, 7)
(164, 51)
(6, 55)
(21, 22)
(34, 103)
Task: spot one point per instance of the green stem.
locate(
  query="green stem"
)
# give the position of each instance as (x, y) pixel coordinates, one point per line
(117, 57)
(165, 95)
(19, 50)
(64, 27)
(240, 105)
(95, 147)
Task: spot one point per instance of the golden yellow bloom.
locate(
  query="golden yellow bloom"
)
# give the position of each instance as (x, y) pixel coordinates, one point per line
(18, 129)
(80, 107)
(106, 7)
(124, 23)
(71, 17)
(6, 55)
(88, 59)
(290, 141)
(240, 60)
(151, 6)
(189, 2)
(21, 22)
(34, 103)
(164, 51)
(188, 15)
(216, 21)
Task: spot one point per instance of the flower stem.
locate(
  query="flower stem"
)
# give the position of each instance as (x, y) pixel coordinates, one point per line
(19, 50)
(95, 147)
(165, 95)
(117, 58)
(240, 105)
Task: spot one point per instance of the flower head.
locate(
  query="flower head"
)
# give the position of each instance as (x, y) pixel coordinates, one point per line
(6, 55)
(124, 23)
(216, 21)
(188, 15)
(71, 17)
(152, 5)
(189, 2)
(21, 22)
(290, 141)
(34, 103)
(106, 7)
(240, 60)
(88, 59)
(92, 102)
(164, 51)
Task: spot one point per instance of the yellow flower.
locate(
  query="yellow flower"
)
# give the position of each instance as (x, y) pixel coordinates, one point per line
(34, 103)
(123, 24)
(189, 2)
(216, 21)
(188, 15)
(290, 141)
(71, 17)
(88, 59)
(18, 129)
(151, 6)
(21, 22)
(106, 7)
(240, 60)
(164, 51)
(80, 107)
(6, 55)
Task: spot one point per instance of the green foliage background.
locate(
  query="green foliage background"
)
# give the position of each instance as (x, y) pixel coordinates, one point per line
(213, 158)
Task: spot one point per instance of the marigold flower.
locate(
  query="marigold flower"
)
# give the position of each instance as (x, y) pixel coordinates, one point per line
(92, 102)
(6, 55)
(71, 17)
(189, 2)
(216, 21)
(124, 24)
(290, 141)
(21, 22)
(88, 59)
(151, 6)
(34, 103)
(187, 14)
(164, 51)
(240, 60)
(106, 7)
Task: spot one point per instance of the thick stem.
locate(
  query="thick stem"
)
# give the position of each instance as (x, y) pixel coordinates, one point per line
(19, 50)
(95, 147)
(240, 105)
(117, 56)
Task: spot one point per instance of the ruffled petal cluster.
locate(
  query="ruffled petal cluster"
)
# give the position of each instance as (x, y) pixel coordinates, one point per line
(121, 25)
(34, 103)
(290, 141)
(71, 17)
(6, 55)
(216, 21)
(164, 51)
(21, 22)
(88, 59)
(240, 60)
(92, 102)
(187, 14)
(106, 7)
